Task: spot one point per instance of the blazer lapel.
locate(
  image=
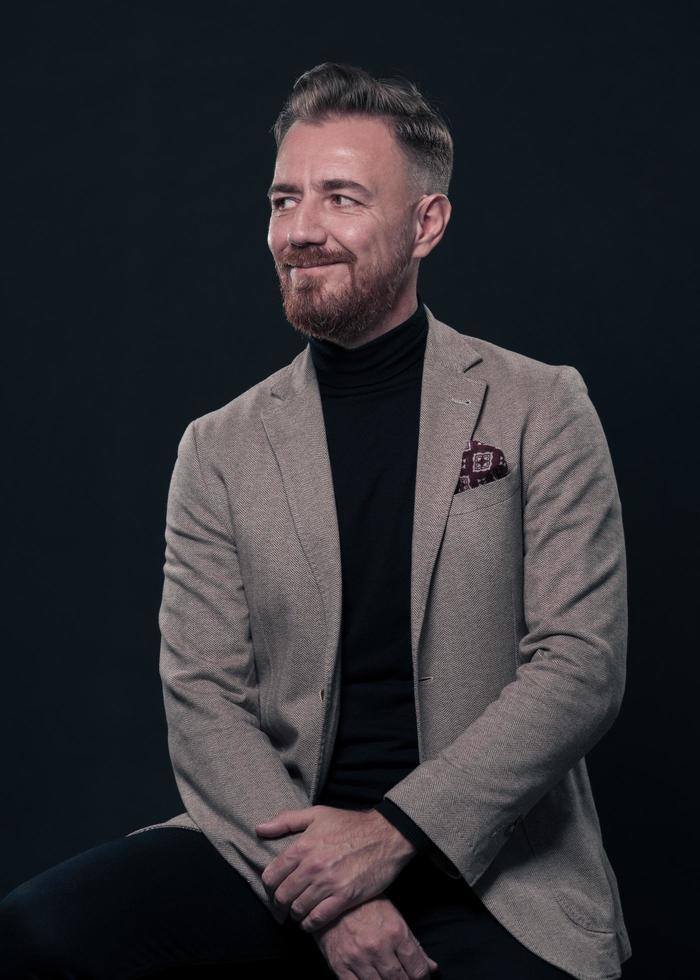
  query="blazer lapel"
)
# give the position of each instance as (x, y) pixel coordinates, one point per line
(296, 429)
(451, 402)
(450, 405)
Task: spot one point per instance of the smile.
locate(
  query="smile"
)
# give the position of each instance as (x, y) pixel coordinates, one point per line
(306, 268)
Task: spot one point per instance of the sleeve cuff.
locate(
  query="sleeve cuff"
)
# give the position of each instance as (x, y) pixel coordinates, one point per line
(400, 819)
(411, 831)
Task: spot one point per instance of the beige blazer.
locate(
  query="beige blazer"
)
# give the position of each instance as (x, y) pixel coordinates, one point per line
(518, 629)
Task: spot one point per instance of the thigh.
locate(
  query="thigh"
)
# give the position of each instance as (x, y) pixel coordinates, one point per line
(457, 930)
(138, 904)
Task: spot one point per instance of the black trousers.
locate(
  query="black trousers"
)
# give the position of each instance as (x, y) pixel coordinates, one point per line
(165, 899)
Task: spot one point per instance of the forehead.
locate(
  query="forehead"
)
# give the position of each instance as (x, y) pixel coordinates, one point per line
(359, 147)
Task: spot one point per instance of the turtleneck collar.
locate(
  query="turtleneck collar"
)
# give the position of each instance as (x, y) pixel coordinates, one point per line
(377, 361)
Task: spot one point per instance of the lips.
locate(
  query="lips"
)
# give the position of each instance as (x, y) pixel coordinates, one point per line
(316, 265)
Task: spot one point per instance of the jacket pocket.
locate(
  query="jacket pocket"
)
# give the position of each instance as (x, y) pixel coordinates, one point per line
(485, 494)
(568, 857)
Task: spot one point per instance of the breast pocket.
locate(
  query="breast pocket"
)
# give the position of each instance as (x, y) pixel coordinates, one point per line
(486, 494)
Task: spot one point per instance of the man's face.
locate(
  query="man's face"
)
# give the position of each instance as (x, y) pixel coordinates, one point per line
(367, 233)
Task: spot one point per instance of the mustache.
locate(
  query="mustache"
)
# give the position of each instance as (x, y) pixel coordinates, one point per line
(305, 260)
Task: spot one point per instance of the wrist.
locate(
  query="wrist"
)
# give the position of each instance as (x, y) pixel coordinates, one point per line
(401, 846)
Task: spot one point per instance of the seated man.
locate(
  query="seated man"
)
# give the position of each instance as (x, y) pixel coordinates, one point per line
(393, 624)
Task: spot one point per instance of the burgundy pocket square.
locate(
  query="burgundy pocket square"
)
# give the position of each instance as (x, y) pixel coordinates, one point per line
(481, 463)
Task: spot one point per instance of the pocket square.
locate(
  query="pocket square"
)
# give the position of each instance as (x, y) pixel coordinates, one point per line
(481, 463)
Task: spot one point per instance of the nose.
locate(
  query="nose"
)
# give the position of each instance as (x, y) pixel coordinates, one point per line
(305, 226)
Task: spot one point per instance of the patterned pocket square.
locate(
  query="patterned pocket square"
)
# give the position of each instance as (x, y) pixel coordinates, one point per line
(481, 463)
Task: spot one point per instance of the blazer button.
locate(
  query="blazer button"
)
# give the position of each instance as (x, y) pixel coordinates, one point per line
(321, 694)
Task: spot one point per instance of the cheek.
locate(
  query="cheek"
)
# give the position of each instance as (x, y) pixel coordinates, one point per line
(276, 241)
(354, 236)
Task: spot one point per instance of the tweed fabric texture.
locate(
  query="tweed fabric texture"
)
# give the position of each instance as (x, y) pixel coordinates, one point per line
(518, 626)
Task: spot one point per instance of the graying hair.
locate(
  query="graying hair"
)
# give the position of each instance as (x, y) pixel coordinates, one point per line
(330, 90)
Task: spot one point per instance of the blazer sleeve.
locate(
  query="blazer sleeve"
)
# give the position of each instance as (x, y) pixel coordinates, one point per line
(229, 775)
(569, 683)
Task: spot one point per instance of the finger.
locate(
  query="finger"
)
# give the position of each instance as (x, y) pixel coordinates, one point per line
(326, 911)
(304, 903)
(367, 971)
(284, 895)
(390, 966)
(414, 959)
(289, 894)
(287, 822)
(285, 865)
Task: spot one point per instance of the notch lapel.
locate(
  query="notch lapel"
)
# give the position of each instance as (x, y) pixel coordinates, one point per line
(450, 406)
(296, 429)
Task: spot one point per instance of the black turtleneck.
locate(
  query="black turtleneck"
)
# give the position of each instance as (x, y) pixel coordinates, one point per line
(371, 404)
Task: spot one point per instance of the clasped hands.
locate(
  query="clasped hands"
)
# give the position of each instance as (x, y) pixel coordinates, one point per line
(341, 859)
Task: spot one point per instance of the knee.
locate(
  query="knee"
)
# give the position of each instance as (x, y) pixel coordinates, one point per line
(29, 934)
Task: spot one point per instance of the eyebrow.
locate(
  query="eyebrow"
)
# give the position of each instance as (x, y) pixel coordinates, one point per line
(332, 184)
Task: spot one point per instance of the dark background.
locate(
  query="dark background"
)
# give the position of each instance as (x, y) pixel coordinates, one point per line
(139, 293)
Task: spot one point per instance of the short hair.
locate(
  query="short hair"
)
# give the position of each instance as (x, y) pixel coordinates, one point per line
(330, 90)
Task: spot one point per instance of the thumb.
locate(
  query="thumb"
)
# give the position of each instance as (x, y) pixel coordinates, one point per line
(286, 822)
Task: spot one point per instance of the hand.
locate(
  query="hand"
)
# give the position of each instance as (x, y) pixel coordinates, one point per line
(342, 859)
(373, 940)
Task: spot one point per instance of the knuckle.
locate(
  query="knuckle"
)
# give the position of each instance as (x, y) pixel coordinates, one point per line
(410, 948)
(346, 891)
(419, 970)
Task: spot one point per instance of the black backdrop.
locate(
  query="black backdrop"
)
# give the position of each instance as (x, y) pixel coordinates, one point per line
(139, 293)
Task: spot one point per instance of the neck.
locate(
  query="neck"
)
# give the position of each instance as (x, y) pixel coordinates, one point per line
(374, 361)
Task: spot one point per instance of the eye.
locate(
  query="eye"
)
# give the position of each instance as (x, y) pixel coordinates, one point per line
(276, 201)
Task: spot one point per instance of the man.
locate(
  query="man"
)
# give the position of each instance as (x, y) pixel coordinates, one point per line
(393, 621)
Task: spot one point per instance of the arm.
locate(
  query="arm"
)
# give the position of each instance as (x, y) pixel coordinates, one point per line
(572, 659)
(207, 667)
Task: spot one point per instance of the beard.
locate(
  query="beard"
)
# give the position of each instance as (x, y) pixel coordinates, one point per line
(347, 309)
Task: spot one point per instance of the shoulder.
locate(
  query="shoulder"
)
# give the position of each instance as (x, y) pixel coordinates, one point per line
(234, 422)
(514, 377)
